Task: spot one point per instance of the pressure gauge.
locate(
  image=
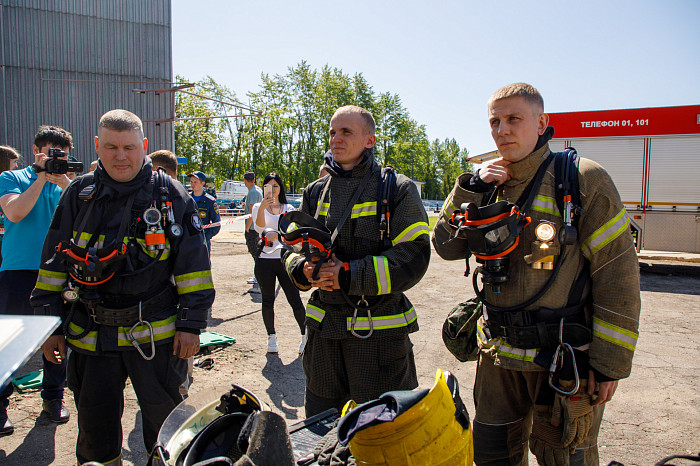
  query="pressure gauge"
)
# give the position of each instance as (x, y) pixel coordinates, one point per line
(545, 231)
(69, 294)
(152, 216)
(174, 230)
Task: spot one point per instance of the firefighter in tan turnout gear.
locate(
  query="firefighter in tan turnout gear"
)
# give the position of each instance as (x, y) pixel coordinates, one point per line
(358, 317)
(559, 283)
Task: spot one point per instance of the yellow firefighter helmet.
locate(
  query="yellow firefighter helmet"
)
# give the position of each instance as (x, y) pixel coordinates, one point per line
(405, 428)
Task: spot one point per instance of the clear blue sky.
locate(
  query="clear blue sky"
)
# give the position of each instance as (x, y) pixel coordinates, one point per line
(445, 58)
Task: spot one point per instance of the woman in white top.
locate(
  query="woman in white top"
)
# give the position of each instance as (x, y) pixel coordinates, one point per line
(268, 266)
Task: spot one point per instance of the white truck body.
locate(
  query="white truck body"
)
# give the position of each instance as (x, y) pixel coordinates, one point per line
(232, 191)
(653, 156)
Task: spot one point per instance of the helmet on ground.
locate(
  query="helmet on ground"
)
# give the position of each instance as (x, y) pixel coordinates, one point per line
(411, 427)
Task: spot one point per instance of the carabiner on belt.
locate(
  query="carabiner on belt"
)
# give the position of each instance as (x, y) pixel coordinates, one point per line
(136, 343)
(364, 304)
(558, 363)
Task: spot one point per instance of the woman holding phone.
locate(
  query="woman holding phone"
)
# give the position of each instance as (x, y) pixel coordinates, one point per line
(268, 267)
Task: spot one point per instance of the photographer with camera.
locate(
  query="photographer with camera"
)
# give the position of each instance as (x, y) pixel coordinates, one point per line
(28, 199)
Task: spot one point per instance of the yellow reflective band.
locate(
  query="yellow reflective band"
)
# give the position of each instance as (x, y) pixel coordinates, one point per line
(381, 271)
(85, 237)
(545, 204)
(325, 207)
(364, 210)
(153, 254)
(605, 234)
(504, 349)
(385, 322)
(290, 258)
(88, 342)
(162, 329)
(51, 281)
(412, 232)
(449, 208)
(195, 281)
(614, 334)
(314, 312)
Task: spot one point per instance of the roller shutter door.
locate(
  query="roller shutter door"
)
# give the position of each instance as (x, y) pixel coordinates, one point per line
(673, 173)
(556, 145)
(623, 159)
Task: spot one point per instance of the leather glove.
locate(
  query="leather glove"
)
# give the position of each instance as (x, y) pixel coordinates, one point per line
(574, 413)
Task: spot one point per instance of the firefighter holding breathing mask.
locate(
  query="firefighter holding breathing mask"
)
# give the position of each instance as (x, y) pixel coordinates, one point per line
(558, 279)
(125, 266)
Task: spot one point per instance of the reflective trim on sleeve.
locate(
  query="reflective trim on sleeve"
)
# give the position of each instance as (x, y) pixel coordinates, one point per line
(290, 258)
(412, 232)
(51, 281)
(162, 329)
(195, 281)
(545, 204)
(385, 322)
(88, 342)
(381, 271)
(325, 207)
(364, 210)
(614, 334)
(448, 207)
(605, 234)
(315, 313)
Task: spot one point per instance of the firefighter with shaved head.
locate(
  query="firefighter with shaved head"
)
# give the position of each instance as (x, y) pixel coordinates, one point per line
(558, 285)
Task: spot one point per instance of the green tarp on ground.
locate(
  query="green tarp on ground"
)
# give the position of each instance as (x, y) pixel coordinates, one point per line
(29, 381)
(213, 338)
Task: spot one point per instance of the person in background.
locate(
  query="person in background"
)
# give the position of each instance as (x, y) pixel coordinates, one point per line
(322, 169)
(93, 165)
(268, 266)
(28, 199)
(252, 237)
(206, 204)
(168, 161)
(165, 159)
(8, 161)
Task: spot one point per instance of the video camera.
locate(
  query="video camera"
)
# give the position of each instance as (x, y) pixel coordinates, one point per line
(58, 166)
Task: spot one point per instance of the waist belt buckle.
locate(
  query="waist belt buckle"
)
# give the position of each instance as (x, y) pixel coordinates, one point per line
(353, 322)
(135, 343)
(558, 362)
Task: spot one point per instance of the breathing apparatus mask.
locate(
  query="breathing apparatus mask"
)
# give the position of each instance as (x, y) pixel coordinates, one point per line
(303, 234)
(492, 232)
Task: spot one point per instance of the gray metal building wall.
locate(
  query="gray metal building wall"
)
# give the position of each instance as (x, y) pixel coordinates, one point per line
(66, 62)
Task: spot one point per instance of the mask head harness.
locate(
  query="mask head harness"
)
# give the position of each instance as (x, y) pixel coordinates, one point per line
(303, 234)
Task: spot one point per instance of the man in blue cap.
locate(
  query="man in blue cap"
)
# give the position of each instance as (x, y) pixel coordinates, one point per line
(206, 205)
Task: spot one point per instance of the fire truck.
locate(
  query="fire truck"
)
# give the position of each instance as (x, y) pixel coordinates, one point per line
(653, 156)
